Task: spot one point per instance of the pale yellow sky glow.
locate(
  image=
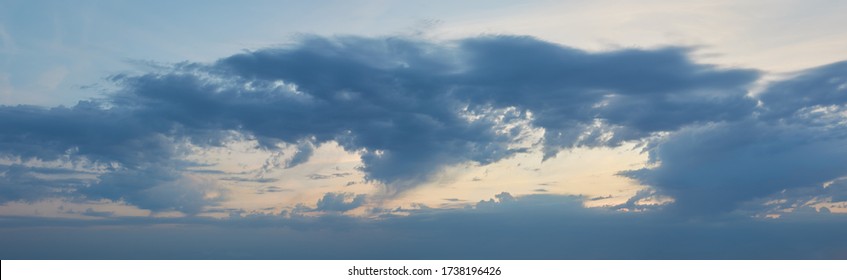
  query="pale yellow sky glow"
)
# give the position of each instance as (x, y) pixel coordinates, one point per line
(588, 172)
(727, 33)
(251, 182)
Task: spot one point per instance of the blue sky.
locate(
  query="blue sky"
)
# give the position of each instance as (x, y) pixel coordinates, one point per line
(530, 130)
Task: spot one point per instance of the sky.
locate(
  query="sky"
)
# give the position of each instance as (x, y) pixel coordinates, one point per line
(423, 130)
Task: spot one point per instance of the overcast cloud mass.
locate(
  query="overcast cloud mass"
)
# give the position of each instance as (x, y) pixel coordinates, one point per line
(737, 167)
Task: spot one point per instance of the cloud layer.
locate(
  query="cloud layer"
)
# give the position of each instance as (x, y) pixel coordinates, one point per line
(410, 108)
(523, 227)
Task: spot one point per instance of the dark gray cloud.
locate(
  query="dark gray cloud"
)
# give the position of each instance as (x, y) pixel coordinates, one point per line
(800, 199)
(714, 168)
(271, 189)
(790, 142)
(156, 189)
(316, 176)
(19, 182)
(380, 97)
(596, 99)
(137, 155)
(257, 180)
(305, 149)
(814, 88)
(340, 202)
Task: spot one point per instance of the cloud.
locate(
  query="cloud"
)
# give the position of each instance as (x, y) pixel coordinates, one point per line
(598, 99)
(25, 183)
(795, 140)
(330, 176)
(815, 199)
(257, 180)
(820, 87)
(158, 190)
(378, 97)
(271, 189)
(410, 108)
(48, 134)
(340, 202)
(304, 151)
(132, 155)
